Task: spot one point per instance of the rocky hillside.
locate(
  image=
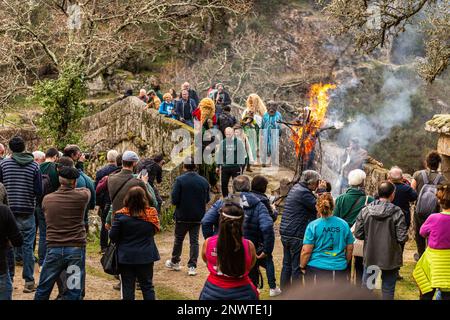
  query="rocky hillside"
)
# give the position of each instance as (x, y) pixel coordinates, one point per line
(281, 49)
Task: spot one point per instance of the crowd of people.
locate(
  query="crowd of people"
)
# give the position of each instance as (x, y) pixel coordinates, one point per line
(347, 240)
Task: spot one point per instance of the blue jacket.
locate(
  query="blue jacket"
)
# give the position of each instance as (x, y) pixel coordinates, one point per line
(166, 109)
(299, 211)
(266, 201)
(258, 225)
(135, 240)
(190, 194)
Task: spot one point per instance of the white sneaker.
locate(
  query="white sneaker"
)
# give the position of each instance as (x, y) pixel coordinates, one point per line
(173, 266)
(192, 271)
(274, 292)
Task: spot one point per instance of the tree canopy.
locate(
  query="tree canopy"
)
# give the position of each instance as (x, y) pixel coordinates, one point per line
(374, 23)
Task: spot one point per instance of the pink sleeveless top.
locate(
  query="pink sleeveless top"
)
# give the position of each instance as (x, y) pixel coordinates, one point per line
(219, 279)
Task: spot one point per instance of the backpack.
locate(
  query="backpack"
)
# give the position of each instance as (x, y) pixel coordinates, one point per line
(226, 120)
(47, 187)
(427, 201)
(101, 191)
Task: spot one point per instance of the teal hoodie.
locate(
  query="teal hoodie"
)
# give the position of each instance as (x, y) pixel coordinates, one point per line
(23, 158)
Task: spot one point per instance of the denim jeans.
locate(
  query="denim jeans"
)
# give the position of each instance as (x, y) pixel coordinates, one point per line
(6, 287)
(388, 282)
(11, 263)
(59, 259)
(180, 233)
(42, 246)
(27, 226)
(290, 272)
(267, 263)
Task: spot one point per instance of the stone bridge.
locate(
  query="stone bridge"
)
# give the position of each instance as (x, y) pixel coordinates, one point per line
(126, 126)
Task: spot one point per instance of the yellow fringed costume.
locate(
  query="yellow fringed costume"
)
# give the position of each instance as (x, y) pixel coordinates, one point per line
(207, 109)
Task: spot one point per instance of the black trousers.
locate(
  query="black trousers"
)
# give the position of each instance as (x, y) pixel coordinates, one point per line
(103, 232)
(181, 229)
(143, 273)
(420, 241)
(316, 276)
(227, 174)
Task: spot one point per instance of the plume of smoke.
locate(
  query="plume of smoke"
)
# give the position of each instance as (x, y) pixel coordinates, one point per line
(395, 110)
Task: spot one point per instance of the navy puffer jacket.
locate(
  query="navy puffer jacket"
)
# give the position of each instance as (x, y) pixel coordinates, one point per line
(258, 225)
(299, 211)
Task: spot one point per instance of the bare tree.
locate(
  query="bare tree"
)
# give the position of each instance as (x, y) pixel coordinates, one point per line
(37, 36)
(373, 23)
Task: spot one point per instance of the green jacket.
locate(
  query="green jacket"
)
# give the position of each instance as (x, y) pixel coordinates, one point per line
(49, 168)
(346, 201)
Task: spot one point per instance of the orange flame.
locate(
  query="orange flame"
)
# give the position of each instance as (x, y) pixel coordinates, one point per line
(318, 105)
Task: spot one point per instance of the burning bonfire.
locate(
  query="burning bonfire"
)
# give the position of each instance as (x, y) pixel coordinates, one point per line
(310, 122)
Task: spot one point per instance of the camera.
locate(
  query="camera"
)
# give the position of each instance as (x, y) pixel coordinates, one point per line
(87, 155)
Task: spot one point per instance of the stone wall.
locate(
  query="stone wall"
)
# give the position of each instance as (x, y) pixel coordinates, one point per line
(32, 140)
(375, 175)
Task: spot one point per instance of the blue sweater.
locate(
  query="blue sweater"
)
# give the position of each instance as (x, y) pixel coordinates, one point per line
(23, 182)
(166, 109)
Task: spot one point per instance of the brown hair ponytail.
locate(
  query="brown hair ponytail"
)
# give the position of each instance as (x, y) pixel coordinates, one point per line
(230, 251)
(325, 205)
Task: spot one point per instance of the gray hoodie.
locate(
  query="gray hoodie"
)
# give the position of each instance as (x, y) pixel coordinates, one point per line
(382, 227)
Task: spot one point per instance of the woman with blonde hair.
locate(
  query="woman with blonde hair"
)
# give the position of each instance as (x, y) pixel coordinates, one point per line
(256, 105)
(328, 245)
(167, 108)
(252, 121)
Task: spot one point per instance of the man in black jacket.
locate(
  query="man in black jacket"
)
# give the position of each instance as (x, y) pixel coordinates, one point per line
(103, 200)
(9, 233)
(221, 98)
(299, 211)
(259, 188)
(184, 108)
(192, 93)
(190, 195)
(154, 167)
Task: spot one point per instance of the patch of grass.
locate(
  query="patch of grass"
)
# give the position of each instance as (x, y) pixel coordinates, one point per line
(407, 289)
(98, 273)
(92, 246)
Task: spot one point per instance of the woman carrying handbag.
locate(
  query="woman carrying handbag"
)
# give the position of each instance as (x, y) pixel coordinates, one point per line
(133, 231)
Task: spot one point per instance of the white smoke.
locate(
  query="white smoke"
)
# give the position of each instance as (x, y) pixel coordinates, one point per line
(395, 110)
